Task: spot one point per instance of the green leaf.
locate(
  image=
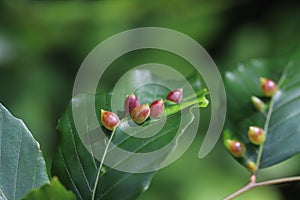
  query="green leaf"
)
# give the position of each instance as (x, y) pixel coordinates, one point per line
(53, 190)
(281, 119)
(78, 169)
(22, 166)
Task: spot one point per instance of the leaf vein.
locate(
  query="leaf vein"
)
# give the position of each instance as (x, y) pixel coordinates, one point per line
(116, 183)
(2, 194)
(136, 150)
(89, 140)
(287, 100)
(286, 118)
(18, 166)
(77, 156)
(34, 173)
(68, 172)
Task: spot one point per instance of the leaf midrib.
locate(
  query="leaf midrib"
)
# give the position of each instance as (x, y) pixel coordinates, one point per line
(270, 112)
(77, 156)
(68, 172)
(3, 195)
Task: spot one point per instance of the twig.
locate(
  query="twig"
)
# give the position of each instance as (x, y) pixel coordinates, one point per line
(254, 184)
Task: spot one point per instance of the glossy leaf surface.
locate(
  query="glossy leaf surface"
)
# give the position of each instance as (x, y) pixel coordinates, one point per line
(22, 166)
(280, 120)
(78, 168)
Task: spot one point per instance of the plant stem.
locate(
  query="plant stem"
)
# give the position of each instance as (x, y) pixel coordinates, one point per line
(101, 164)
(252, 184)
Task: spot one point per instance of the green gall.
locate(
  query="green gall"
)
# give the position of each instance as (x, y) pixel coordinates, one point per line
(251, 166)
(258, 103)
(256, 135)
(236, 148)
(268, 87)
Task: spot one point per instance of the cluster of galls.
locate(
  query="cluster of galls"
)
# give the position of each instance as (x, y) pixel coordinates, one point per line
(140, 113)
(256, 135)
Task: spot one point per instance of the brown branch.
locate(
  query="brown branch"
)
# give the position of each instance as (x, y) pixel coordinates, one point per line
(253, 184)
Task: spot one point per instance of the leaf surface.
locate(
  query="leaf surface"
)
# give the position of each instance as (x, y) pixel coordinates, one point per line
(78, 168)
(281, 120)
(22, 166)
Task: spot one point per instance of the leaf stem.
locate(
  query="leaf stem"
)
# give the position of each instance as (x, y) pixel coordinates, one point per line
(101, 164)
(260, 151)
(254, 184)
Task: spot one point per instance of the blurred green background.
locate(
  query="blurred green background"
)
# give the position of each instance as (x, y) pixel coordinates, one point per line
(43, 43)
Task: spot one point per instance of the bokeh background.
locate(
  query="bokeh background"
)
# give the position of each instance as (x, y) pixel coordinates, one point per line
(43, 43)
